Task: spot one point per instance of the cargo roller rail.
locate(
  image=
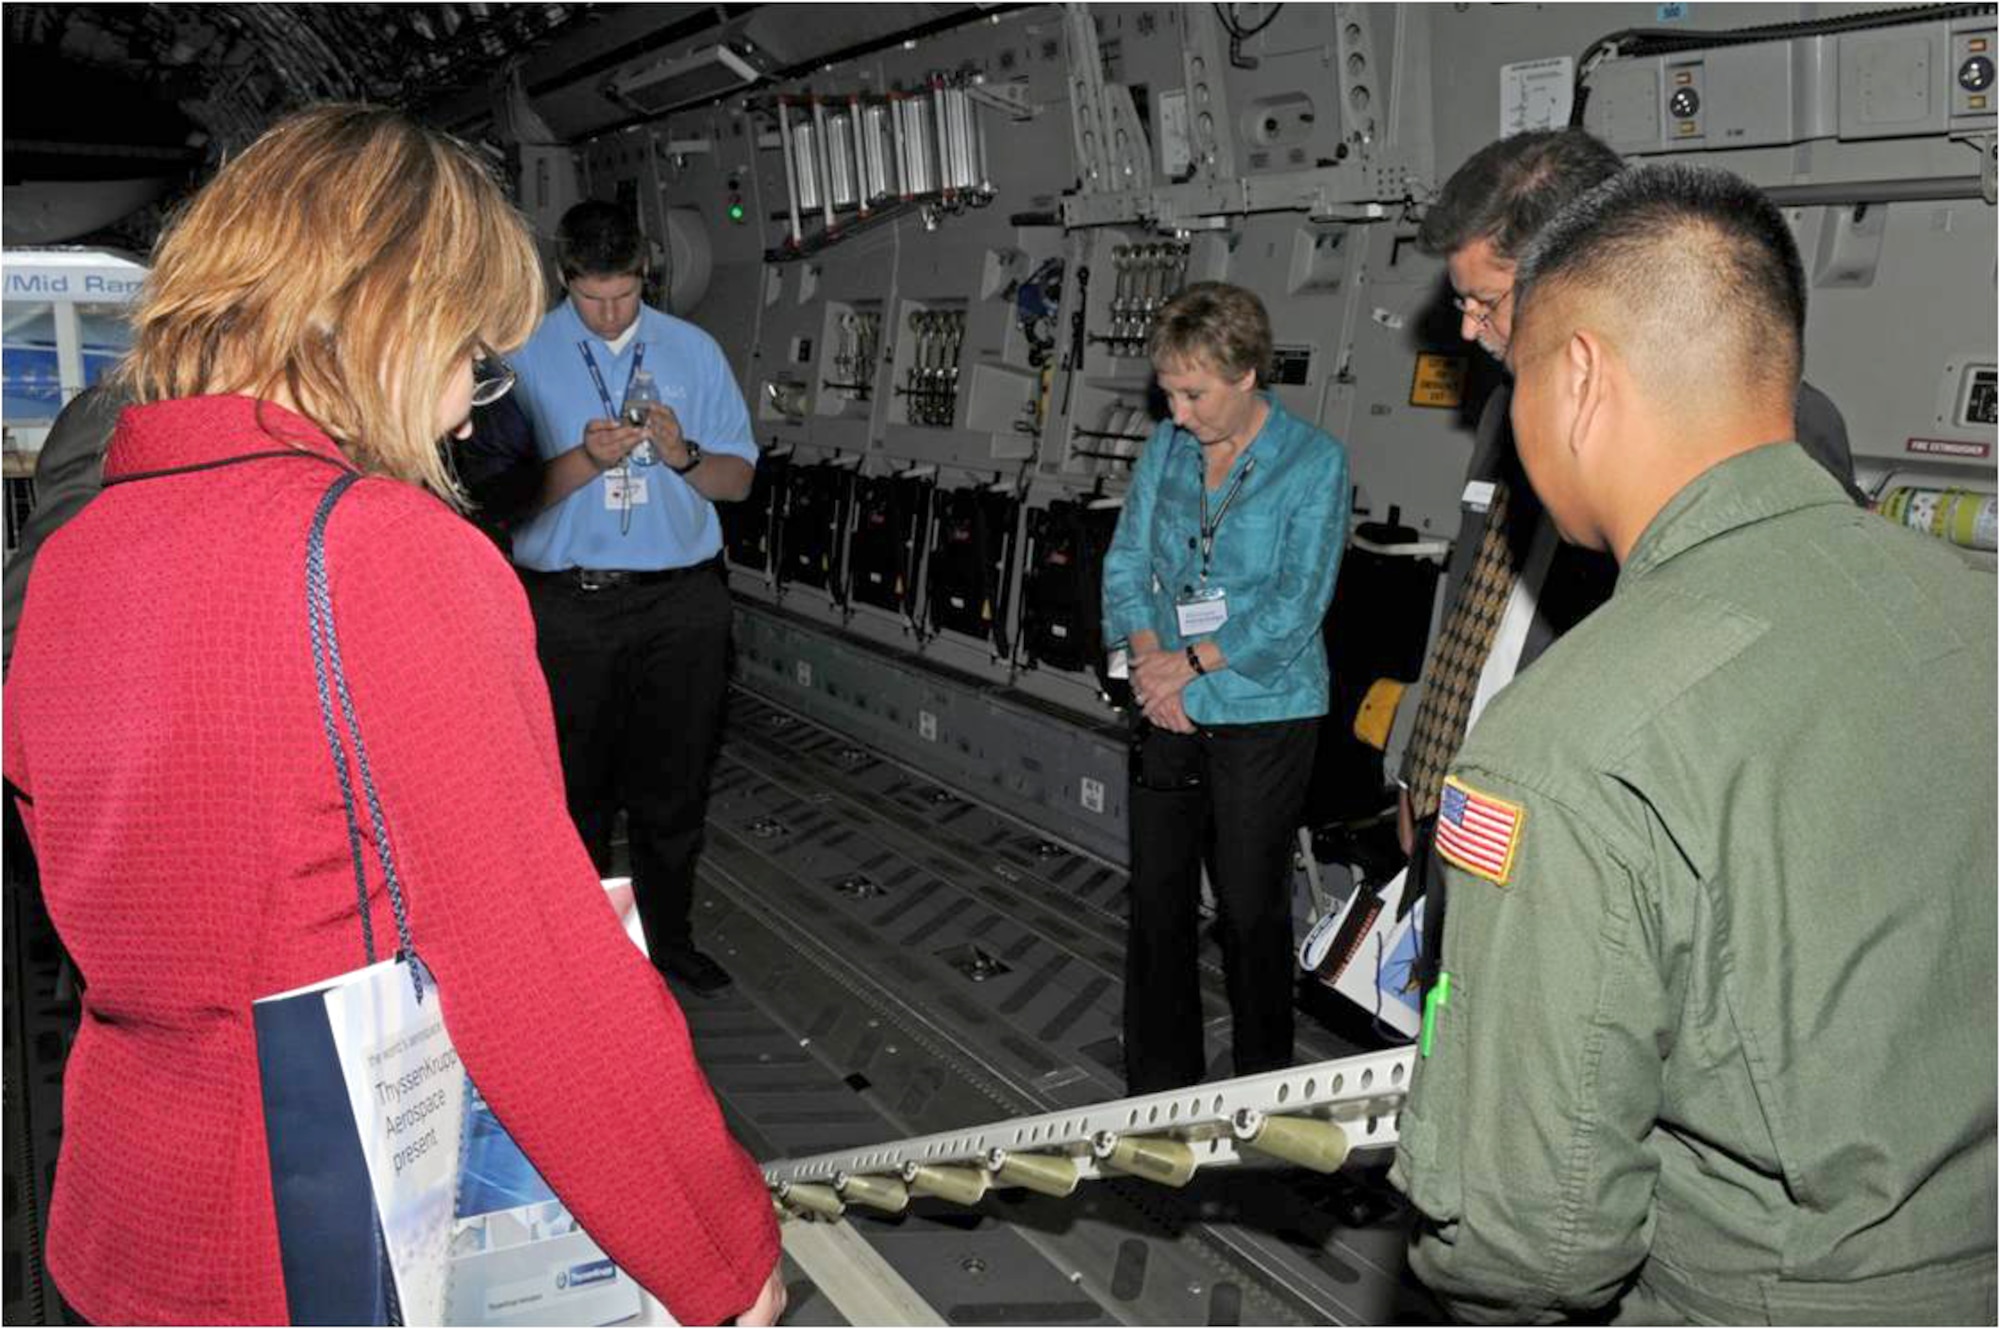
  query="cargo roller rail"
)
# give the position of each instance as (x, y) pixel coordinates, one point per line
(1312, 1116)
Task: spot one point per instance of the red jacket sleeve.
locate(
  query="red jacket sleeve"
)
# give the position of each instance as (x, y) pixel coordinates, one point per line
(569, 1033)
(15, 761)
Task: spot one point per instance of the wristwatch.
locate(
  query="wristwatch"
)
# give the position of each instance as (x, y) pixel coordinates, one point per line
(1194, 662)
(694, 458)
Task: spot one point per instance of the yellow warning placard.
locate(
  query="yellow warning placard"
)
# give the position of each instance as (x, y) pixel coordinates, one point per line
(1377, 715)
(1440, 380)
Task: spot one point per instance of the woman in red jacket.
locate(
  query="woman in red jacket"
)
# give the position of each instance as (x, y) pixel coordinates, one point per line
(319, 307)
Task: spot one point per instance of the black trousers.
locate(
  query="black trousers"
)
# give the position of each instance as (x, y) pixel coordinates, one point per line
(638, 676)
(1233, 795)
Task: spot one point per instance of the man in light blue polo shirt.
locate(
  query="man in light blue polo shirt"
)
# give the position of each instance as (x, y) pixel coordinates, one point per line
(623, 564)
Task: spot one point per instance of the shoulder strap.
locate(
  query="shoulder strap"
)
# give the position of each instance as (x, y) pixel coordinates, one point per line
(331, 677)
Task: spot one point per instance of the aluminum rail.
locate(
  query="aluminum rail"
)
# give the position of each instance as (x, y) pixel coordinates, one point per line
(1312, 1116)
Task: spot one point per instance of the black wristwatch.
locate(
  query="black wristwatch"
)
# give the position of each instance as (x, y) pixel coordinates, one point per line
(1194, 662)
(694, 457)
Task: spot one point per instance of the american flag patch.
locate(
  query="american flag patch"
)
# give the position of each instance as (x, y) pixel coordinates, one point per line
(1478, 832)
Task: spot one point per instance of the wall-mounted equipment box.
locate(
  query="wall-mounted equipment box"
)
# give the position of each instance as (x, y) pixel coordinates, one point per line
(1905, 80)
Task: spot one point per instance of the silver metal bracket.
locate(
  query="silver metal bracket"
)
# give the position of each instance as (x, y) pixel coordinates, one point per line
(1361, 1094)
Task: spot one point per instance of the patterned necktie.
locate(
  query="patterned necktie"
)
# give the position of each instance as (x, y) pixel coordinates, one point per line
(1451, 675)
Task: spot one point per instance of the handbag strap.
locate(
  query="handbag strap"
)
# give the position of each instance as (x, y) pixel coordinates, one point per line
(331, 678)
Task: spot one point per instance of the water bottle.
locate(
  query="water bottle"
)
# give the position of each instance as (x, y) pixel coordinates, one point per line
(641, 393)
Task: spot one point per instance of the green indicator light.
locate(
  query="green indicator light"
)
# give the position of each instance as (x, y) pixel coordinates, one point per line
(1439, 996)
(736, 212)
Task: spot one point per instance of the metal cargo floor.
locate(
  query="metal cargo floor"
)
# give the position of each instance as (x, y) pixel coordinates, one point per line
(909, 961)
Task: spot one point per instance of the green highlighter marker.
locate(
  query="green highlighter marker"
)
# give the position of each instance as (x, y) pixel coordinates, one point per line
(1439, 995)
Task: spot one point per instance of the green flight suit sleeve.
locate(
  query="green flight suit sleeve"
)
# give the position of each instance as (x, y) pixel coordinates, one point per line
(1524, 1143)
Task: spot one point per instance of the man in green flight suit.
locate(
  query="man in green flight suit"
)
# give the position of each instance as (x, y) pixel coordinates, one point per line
(1715, 1033)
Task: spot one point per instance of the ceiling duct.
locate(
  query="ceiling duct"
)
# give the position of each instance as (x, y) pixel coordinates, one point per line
(698, 75)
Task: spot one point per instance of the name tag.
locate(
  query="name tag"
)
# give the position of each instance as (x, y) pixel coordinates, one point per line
(1203, 612)
(1478, 495)
(623, 491)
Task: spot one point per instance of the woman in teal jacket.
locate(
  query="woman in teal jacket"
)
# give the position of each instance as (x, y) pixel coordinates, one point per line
(1217, 581)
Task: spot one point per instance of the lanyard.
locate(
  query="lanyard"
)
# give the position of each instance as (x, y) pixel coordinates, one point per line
(1210, 525)
(597, 375)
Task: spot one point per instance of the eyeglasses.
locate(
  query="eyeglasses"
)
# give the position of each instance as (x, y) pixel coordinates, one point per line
(492, 377)
(1481, 312)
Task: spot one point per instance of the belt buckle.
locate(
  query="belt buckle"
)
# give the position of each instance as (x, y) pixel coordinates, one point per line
(595, 579)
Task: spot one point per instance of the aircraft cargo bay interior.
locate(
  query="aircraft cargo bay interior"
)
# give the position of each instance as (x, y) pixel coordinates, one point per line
(1232, 663)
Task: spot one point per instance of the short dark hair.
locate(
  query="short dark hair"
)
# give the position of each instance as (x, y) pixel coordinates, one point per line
(1508, 190)
(599, 239)
(1687, 250)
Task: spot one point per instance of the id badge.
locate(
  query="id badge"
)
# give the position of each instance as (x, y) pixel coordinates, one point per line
(622, 491)
(1202, 612)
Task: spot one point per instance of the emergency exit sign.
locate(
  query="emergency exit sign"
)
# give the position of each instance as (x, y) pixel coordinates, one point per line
(1439, 382)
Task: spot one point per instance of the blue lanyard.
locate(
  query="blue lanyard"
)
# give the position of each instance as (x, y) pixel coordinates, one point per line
(1210, 526)
(597, 375)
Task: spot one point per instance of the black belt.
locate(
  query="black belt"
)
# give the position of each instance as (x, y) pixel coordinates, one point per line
(605, 579)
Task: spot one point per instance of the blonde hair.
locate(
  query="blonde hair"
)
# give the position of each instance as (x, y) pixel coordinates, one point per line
(1214, 325)
(352, 258)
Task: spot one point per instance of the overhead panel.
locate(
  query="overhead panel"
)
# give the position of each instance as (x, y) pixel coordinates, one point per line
(1907, 80)
(704, 73)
